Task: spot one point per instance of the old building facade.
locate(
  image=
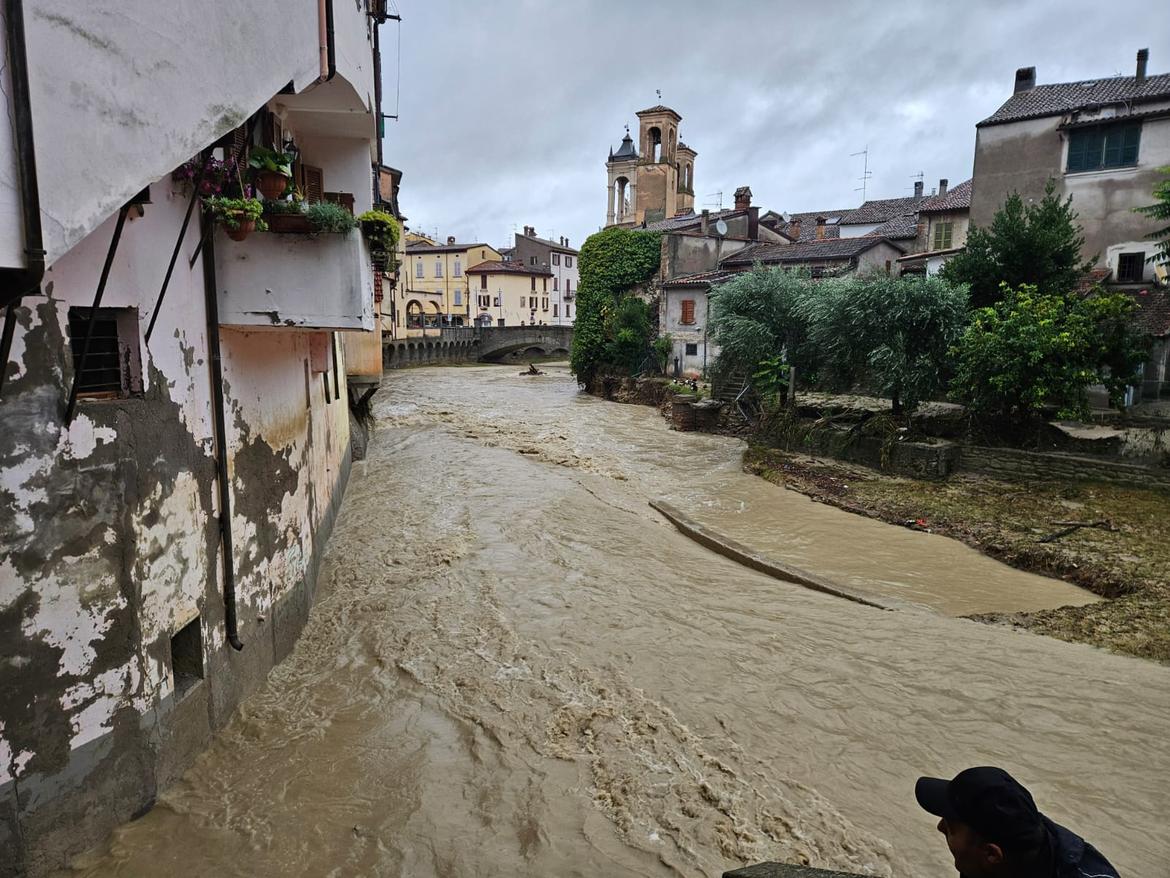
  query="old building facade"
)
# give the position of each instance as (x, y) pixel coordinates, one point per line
(511, 294)
(433, 286)
(174, 426)
(561, 261)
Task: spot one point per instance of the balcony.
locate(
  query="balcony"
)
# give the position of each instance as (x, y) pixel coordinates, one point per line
(294, 281)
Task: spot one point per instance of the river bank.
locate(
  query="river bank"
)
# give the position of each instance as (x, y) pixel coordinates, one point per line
(1124, 558)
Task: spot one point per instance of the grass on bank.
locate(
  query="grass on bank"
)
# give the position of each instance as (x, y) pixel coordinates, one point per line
(1127, 560)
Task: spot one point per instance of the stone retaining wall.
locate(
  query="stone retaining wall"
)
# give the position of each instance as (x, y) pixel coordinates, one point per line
(1013, 464)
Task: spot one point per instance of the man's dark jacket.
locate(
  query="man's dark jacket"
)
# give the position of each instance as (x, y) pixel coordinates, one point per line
(1075, 857)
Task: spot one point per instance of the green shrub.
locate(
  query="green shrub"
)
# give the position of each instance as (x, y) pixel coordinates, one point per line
(325, 216)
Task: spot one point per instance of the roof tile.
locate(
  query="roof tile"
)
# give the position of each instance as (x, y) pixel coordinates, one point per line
(957, 198)
(1064, 97)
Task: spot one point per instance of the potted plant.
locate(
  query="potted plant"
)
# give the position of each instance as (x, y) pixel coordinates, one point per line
(272, 170)
(381, 233)
(287, 216)
(238, 216)
(324, 216)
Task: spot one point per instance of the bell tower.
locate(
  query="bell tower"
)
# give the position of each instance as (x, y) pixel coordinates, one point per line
(654, 179)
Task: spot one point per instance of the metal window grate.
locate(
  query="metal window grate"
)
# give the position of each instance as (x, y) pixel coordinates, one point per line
(1130, 267)
(104, 370)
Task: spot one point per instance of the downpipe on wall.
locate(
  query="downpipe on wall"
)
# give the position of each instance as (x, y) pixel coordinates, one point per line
(215, 361)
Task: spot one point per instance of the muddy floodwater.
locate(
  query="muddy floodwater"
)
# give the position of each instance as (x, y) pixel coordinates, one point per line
(517, 667)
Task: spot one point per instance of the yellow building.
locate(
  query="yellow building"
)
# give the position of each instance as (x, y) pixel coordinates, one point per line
(509, 294)
(432, 288)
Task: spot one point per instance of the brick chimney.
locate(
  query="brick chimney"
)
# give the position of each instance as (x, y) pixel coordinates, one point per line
(794, 229)
(705, 222)
(1143, 58)
(820, 228)
(1025, 79)
(942, 186)
(743, 198)
(450, 240)
(917, 188)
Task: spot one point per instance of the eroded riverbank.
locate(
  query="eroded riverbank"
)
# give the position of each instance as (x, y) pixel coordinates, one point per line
(518, 668)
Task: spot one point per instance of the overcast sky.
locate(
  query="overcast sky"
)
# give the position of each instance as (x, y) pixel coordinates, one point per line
(509, 108)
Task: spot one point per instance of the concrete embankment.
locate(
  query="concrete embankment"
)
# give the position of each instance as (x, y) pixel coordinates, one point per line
(741, 554)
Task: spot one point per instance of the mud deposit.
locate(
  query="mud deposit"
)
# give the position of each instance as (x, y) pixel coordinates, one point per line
(518, 668)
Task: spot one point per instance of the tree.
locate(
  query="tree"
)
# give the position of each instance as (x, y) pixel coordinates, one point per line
(889, 334)
(1032, 351)
(755, 316)
(1037, 244)
(1160, 211)
(612, 262)
(627, 331)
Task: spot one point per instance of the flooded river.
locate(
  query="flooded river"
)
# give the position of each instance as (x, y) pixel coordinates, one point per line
(516, 667)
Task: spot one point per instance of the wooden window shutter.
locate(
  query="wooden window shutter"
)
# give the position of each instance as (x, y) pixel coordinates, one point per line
(688, 311)
(311, 181)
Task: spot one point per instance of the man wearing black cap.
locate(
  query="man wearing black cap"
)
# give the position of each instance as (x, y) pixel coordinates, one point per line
(993, 828)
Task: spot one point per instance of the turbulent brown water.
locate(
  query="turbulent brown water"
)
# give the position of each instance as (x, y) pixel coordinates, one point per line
(516, 667)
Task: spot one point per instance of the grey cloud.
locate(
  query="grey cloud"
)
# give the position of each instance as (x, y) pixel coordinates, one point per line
(509, 108)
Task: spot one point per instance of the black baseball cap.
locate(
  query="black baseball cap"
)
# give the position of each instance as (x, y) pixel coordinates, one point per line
(990, 801)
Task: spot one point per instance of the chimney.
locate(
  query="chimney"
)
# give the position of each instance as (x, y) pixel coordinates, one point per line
(820, 228)
(794, 229)
(704, 222)
(743, 198)
(1143, 59)
(917, 188)
(1025, 79)
(450, 240)
(566, 240)
(942, 186)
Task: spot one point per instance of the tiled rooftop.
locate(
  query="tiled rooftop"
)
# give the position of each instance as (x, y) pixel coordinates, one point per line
(1064, 97)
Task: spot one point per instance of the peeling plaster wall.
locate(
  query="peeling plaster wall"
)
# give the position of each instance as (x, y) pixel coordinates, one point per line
(109, 540)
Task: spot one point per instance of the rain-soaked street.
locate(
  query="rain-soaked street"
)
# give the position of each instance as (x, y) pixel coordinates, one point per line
(517, 667)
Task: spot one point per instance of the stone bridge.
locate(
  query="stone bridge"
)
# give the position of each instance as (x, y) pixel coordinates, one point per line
(469, 344)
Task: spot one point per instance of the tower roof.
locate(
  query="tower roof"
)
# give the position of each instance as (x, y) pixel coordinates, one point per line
(654, 111)
(625, 151)
(682, 147)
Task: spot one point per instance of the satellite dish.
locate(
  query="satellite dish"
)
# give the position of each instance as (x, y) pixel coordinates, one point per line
(720, 227)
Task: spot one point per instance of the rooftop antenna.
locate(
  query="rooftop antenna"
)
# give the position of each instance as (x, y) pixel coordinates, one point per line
(716, 199)
(658, 92)
(866, 173)
(918, 178)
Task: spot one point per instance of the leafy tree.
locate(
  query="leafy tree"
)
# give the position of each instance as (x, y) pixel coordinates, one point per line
(1037, 244)
(612, 262)
(756, 315)
(628, 334)
(1160, 211)
(889, 334)
(663, 345)
(1032, 351)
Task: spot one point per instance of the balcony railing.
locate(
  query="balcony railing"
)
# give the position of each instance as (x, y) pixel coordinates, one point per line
(294, 281)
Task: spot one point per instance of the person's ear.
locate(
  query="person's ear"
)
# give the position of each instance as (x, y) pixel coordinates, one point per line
(993, 853)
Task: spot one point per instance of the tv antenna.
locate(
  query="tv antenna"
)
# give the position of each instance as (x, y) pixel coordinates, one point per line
(866, 173)
(715, 199)
(658, 92)
(919, 177)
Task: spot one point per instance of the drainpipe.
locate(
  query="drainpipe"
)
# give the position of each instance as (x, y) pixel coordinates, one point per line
(211, 304)
(327, 47)
(16, 282)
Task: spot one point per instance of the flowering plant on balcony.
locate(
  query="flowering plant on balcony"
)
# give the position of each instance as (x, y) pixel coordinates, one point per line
(381, 232)
(238, 216)
(216, 174)
(273, 169)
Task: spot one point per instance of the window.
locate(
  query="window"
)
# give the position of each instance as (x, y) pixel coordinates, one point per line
(556, 284)
(533, 279)
(438, 266)
(458, 268)
(556, 259)
(187, 657)
(692, 349)
(458, 297)
(532, 302)
(483, 281)
(1130, 267)
(942, 236)
(532, 260)
(817, 271)
(483, 301)
(555, 313)
(544, 304)
(544, 284)
(1103, 146)
(113, 366)
(688, 311)
(568, 310)
(568, 285)
(418, 268)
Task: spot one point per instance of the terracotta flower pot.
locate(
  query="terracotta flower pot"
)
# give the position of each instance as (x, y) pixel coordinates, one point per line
(244, 227)
(271, 184)
(288, 223)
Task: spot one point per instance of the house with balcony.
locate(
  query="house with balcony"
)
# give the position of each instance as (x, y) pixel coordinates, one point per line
(510, 294)
(174, 415)
(561, 261)
(433, 290)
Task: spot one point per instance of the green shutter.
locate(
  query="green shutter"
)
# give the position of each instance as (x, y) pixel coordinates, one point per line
(1132, 135)
(1078, 145)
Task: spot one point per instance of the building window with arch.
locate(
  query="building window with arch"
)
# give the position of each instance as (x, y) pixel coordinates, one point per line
(414, 315)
